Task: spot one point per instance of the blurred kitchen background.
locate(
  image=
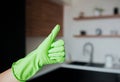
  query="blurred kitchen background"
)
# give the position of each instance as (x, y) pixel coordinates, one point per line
(90, 29)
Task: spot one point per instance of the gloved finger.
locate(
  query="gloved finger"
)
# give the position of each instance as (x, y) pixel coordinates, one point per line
(58, 59)
(57, 54)
(57, 43)
(56, 49)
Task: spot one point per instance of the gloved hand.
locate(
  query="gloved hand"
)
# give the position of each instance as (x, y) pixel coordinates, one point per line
(48, 52)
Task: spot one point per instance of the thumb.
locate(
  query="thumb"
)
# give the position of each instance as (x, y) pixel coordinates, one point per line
(54, 32)
(51, 37)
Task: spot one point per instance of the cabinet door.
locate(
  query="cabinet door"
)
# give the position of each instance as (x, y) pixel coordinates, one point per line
(58, 75)
(74, 75)
(92, 76)
(42, 16)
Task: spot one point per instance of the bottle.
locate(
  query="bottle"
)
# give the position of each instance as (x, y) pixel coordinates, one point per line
(109, 61)
(116, 11)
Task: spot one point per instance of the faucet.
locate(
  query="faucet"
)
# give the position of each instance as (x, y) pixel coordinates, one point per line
(88, 49)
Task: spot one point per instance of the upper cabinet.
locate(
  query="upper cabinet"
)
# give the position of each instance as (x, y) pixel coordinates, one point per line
(42, 16)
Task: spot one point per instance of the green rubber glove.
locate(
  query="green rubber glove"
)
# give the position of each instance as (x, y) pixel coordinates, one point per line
(48, 52)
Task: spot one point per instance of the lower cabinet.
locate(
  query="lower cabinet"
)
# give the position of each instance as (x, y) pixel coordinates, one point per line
(73, 75)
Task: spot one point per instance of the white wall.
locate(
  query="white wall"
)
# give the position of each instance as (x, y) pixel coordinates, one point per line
(102, 46)
(74, 46)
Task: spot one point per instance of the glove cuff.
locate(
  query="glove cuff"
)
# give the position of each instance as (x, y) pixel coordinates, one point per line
(26, 67)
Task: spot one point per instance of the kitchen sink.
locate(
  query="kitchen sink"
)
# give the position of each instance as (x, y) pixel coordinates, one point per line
(78, 63)
(87, 64)
(95, 65)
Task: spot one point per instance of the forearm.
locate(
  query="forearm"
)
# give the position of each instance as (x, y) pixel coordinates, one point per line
(48, 52)
(8, 76)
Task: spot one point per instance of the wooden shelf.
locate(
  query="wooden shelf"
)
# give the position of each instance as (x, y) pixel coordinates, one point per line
(96, 17)
(97, 36)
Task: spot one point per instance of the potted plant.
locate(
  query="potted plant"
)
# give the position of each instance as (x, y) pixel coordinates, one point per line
(98, 11)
